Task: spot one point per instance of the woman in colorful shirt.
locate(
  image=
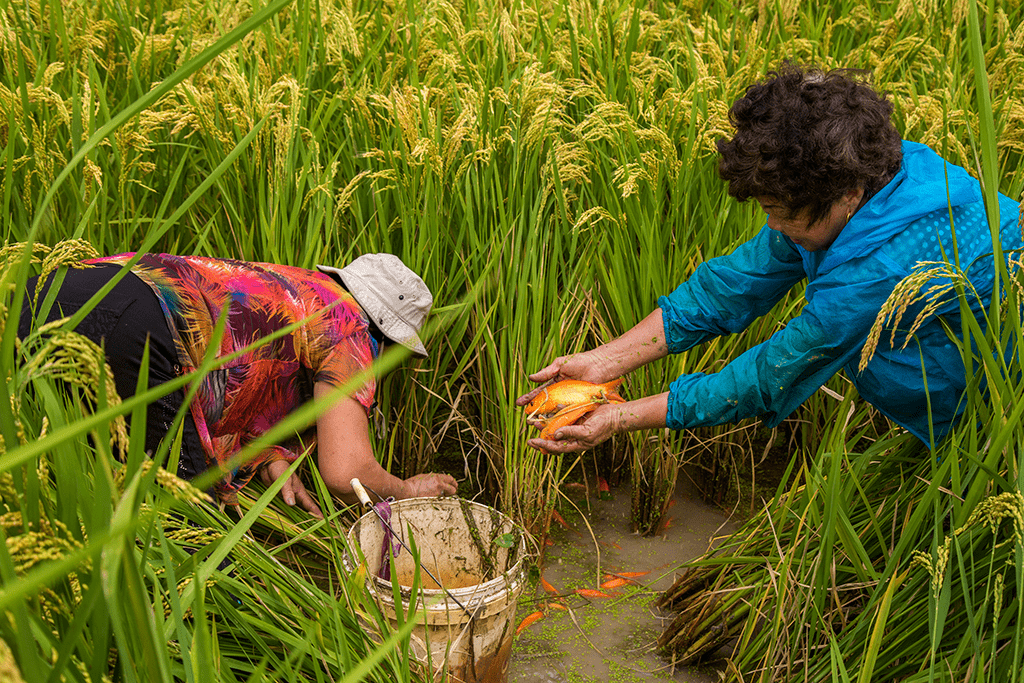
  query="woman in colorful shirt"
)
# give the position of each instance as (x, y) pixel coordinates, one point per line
(340, 319)
(851, 209)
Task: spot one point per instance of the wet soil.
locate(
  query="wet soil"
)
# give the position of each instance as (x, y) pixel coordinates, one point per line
(609, 639)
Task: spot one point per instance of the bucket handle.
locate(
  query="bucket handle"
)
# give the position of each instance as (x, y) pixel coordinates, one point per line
(364, 499)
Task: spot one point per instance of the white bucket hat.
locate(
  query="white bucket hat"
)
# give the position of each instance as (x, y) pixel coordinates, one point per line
(394, 297)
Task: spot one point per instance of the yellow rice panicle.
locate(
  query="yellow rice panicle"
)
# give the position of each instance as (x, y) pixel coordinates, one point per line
(179, 488)
(11, 254)
(9, 671)
(67, 253)
(593, 216)
(77, 360)
(908, 292)
(31, 548)
(991, 513)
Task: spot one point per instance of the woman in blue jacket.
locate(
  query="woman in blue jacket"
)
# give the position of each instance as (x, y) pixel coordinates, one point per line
(852, 209)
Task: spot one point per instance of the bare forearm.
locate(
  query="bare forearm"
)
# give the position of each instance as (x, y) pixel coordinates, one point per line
(648, 412)
(345, 453)
(638, 346)
(371, 475)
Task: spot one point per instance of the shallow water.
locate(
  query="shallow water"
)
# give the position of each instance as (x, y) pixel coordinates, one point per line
(610, 639)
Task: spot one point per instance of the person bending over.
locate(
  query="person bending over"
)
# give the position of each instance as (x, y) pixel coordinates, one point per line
(851, 209)
(175, 303)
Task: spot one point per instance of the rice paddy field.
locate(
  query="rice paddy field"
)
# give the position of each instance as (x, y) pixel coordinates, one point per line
(549, 169)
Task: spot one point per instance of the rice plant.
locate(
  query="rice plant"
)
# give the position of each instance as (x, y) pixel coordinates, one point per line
(898, 562)
(548, 167)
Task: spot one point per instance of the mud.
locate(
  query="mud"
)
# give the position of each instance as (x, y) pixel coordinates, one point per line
(487, 668)
(609, 639)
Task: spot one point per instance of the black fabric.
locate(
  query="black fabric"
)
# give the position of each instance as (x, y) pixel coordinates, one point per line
(128, 316)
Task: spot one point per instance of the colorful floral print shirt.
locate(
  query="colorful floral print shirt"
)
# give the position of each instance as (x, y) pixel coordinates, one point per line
(245, 397)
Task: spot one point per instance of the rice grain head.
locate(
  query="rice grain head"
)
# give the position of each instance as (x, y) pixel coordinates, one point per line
(593, 216)
(909, 292)
(75, 359)
(991, 512)
(9, 671)
(67, 253)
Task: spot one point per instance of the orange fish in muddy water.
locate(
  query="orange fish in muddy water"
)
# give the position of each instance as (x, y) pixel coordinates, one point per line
(556, 517)
(591, 593)
(573, 392)
(536, 616)
(614, 583)
(547, 586)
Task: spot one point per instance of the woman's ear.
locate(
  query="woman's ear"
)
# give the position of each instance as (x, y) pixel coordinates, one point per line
(853, 198)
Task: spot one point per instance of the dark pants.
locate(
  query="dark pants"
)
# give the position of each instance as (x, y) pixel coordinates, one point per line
(122, 322)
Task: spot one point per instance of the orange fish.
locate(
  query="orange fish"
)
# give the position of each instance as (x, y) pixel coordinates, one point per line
(548, 542)
(529, 620)
(561, 520)
(547, 586)
(632, 575)
(614, 583)
(565, 417)
(557, 605)
(573, 392)
(590, 593)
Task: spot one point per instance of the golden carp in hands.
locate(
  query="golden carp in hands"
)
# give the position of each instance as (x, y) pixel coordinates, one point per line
(566, 416)
(567, 402)
(573, 392)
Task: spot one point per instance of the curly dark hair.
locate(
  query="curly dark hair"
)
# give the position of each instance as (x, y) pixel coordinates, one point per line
(805, 137)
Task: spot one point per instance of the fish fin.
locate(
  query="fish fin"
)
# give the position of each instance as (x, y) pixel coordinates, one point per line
(613, 384)
(565, 417)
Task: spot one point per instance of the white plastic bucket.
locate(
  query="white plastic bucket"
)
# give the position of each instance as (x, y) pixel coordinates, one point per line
(479, 556)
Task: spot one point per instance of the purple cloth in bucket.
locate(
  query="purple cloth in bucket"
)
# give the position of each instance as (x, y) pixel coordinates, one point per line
(387, 546)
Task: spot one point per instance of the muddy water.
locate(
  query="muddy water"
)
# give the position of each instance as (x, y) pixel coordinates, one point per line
(609, 639)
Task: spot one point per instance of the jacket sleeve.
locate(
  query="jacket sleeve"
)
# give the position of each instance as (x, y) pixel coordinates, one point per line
(724, 295)
(772, 379)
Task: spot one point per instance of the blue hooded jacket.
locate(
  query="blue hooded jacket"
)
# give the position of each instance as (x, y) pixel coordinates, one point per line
(910, 220)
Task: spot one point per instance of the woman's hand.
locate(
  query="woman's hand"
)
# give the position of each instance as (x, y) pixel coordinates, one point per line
(604, 422)
(597, 427)
(640, 345)
(292, 491)
(344, 453)
(588, 366)
(430, 484)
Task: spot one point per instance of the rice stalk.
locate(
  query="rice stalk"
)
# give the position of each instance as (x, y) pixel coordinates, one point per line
(562, 153)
